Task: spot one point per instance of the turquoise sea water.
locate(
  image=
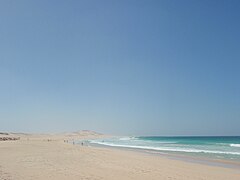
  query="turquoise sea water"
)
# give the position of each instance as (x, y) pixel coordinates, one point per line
(224, 147)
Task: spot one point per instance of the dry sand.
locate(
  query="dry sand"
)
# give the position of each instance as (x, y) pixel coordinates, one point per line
(43, 157)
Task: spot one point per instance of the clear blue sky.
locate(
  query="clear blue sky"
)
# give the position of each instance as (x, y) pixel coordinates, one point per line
(143, 67)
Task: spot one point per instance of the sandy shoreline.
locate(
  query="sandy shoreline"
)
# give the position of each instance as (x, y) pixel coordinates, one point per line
(48, 157)
(185, 158)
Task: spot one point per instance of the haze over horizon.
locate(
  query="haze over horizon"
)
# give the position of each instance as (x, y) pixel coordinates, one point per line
(133, 67)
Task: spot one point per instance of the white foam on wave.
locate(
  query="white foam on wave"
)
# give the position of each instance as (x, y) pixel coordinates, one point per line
(167, 149)
(136, 139)
(127, 138)
(235, 145)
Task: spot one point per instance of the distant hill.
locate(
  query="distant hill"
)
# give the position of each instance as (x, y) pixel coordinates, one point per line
(83, 133)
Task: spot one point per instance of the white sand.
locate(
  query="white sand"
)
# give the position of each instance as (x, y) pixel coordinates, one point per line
(43, 157)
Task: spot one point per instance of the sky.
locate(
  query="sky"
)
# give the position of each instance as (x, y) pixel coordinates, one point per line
(136, 67)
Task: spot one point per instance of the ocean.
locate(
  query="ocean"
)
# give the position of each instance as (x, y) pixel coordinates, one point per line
(219, 147)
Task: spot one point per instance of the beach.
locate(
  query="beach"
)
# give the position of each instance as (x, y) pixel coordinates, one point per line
(209, 148)
(45, 156)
